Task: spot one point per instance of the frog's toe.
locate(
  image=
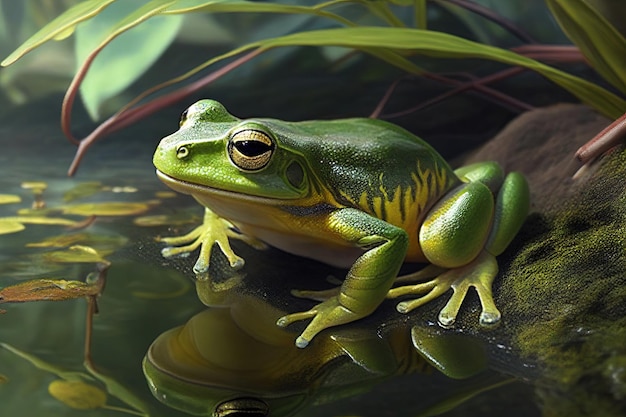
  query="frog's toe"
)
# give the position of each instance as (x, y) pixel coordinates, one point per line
(490, 318)
(479, 274)
(170, 251)
(409, 305)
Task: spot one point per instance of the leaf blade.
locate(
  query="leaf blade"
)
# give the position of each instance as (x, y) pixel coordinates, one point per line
(598, 40)
(443, 45)
(126, 57)
(59, 27)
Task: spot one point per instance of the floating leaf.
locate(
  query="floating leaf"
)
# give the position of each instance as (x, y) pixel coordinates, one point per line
(77, 394)
(10, 222)
(3, 379)
(106, 209)
(36, 186)
(599, 41)
(59, 28)
(9, 226)
(77, 253)
(9, 198)
(99, 242)
(47, 290)
(166, 220)
(81, 190)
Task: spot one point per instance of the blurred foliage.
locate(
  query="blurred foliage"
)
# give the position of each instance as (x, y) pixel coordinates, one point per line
(132, 35)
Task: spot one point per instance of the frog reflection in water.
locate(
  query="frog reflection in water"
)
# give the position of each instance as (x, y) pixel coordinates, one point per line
(234, 361)
(357, 193)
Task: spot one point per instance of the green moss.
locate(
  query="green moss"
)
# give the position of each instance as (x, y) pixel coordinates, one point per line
(567, 289)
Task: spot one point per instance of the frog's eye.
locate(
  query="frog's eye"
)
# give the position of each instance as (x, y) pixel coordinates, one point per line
(182, 152)
(251, 407)
(183, 117)
(250, 150)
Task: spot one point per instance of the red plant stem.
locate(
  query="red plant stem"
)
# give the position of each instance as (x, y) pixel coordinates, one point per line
(127, 116)
(551, 53)
(494, 17)
(478, 85)
(603, 141)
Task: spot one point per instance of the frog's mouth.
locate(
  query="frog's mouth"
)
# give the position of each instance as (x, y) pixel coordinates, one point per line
(199, 190)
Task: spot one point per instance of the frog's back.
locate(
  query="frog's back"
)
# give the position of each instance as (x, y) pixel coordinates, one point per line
(374, 166)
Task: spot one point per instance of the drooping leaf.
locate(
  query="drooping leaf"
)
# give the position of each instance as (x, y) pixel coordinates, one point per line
(59, 27)
(128, 55)
(599, 41)
(242, 6)
(443, 45)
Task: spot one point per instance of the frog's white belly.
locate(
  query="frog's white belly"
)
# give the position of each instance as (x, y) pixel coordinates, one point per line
(305, 246)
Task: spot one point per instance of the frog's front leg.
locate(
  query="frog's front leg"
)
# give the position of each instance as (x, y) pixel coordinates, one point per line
(213, 229)
(464, 233)
(369, 279)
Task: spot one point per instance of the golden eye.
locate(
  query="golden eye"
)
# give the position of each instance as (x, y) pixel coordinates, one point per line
(182, 152)
(250, 150)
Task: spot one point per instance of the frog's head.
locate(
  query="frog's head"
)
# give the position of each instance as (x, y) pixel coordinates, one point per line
(214, 151)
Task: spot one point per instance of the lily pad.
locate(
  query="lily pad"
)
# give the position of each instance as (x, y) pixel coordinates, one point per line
(77, 394)
(9, 226)
(76, 253)
(165, 220)
(84, 189)
(106, 209)
(9, 198)
(37, 186)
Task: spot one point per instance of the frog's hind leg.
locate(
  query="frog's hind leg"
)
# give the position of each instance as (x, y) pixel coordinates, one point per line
(480, 226)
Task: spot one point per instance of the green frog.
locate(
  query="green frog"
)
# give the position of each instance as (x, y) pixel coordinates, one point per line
(358, 193)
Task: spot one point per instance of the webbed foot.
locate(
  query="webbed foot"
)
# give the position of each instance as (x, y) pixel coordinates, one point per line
(213, 229)
(479, 274)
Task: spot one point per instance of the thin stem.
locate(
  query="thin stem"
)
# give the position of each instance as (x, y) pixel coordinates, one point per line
(551, 53)
(474, 84)
(494, 17)
(126, 115)
(609, 137)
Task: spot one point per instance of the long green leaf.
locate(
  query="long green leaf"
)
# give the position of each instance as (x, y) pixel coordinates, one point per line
(125, 58)
(242, 6)
(443, 45)
(599, 41)
(59, 28)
